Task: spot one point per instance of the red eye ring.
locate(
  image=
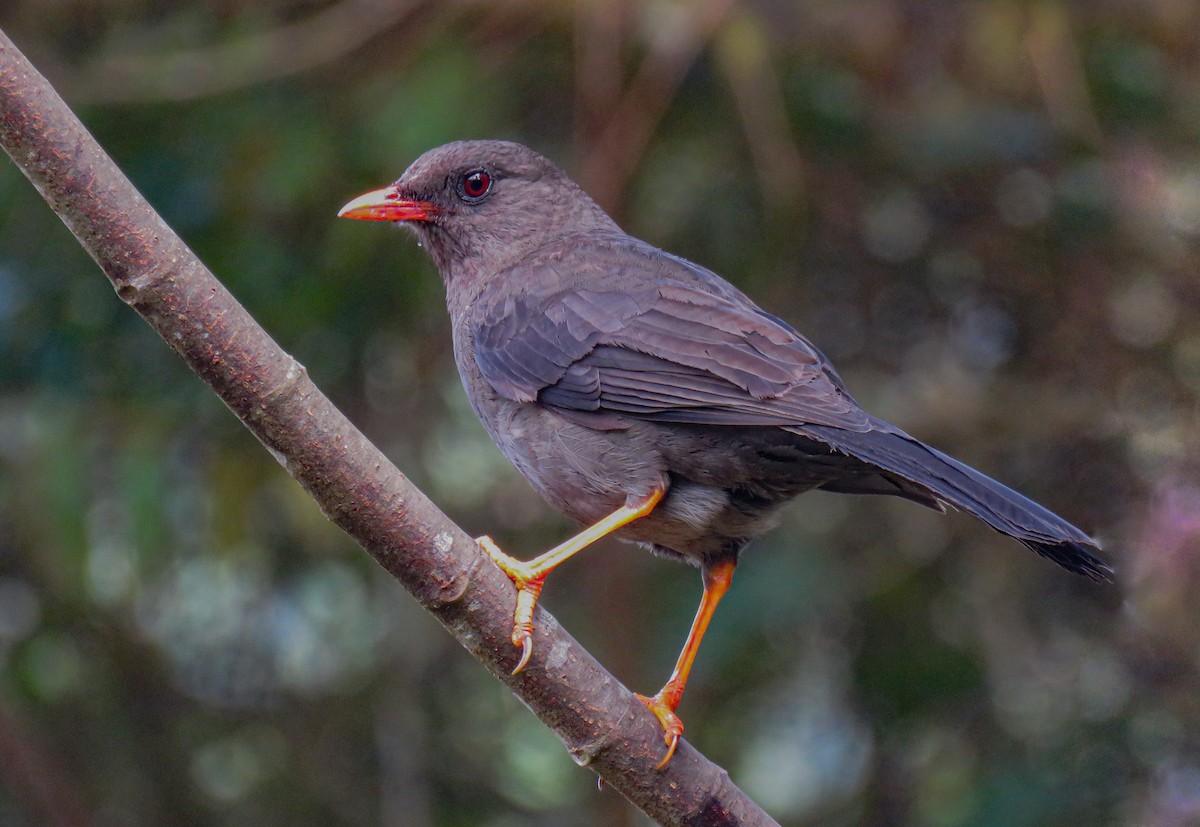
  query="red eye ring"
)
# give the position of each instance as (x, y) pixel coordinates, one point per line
(476, 185)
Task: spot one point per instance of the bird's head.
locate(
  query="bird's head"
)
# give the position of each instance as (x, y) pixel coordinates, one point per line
(478, 206)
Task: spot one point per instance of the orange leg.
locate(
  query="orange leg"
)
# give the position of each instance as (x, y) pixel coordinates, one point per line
(530, 575)
(716, 582)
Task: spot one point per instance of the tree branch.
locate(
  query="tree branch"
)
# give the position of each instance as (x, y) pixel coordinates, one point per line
(601, 723)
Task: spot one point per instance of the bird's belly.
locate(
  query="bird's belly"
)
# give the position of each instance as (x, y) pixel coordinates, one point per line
(584, 473)
(587, 474)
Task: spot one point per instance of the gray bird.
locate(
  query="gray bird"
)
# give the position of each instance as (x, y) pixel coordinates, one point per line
(646, 397)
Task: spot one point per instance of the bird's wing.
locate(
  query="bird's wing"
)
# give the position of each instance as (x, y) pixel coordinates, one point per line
(670, 351)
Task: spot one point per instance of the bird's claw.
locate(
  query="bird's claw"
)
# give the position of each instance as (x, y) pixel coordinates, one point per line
(671, 724)
(526, 645)
(522, 634)
(529, 588)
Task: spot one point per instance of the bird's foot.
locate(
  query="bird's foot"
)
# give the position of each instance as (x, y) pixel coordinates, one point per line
(529, 587)
(663, 706)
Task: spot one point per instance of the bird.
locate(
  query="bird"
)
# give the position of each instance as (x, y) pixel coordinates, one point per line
(646, 397)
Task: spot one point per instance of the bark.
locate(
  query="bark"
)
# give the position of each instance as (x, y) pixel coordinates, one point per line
(602, 724)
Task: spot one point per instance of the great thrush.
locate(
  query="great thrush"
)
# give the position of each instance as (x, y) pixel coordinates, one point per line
(646, 397)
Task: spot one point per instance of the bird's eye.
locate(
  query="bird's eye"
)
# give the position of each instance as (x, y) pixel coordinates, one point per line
(475, 185)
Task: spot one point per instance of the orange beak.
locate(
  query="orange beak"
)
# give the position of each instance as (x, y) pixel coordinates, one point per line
(387, 205)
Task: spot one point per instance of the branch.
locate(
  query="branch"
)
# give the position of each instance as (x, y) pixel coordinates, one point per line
(602, 724)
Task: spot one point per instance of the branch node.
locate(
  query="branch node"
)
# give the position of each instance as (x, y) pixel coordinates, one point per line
(140, 287)
(294, 376)
(452, 578)
(587, 752)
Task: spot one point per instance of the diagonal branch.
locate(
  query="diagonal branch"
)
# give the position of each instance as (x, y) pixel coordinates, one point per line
(601, 723)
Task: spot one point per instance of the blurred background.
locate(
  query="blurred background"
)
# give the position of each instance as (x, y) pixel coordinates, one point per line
(986, 213)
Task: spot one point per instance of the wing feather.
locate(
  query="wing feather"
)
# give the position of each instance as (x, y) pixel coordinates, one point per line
(683, 346)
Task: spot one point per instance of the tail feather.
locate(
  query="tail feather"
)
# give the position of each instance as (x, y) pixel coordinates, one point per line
(951, 482)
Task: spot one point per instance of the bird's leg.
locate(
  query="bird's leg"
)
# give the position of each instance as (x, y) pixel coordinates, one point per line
(716, 582)
(529, 575)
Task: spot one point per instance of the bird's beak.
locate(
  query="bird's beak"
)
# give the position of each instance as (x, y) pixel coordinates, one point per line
(387, 205)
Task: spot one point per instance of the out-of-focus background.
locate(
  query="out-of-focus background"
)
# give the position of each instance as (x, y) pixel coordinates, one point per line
(987, 213)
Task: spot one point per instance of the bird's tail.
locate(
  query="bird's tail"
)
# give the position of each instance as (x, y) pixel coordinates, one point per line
(939, 479)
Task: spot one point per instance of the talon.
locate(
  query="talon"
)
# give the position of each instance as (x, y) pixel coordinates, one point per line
(672, 742)
(670, 722)
(526, 645)
(522, 634)
(529, 588)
